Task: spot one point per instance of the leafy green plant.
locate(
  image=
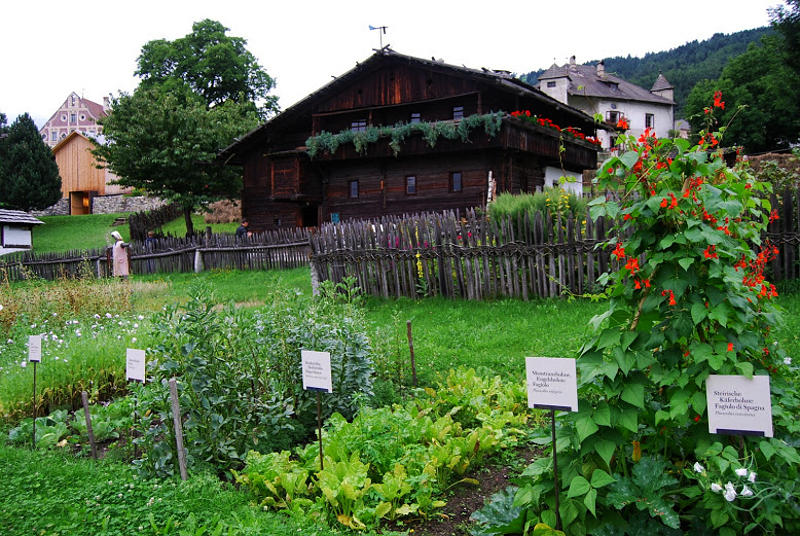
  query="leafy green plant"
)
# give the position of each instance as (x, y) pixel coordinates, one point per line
(240, 378)
(688, 298)
(327, 142)
(391, 463)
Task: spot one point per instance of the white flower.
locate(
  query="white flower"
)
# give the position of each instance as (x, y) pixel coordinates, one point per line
(716, 488)
(108, 315)
(698, 468)
(96, 315)
(730, 493)
(140, 317)
(10, 341)
(1, 306)
(751, 477)
(23, 364)
(787, 360)
(746, 492)
(741, 471)
(136, 326)
(133, 339)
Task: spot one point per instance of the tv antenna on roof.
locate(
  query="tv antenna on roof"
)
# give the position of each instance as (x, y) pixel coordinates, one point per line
(381, 31)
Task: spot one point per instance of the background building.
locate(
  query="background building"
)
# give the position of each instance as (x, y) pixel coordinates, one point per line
(76, 114)
(592, 90)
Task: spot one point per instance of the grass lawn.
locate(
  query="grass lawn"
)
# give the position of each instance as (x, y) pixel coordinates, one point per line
(177, 227)
(91, 231)
(78, 496)
(64, 233)
(72, 496)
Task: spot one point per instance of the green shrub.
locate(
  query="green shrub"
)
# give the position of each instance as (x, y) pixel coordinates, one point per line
(240, 379)
(392, 463)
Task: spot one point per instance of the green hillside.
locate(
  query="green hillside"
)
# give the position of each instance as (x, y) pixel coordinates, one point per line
(683, 66)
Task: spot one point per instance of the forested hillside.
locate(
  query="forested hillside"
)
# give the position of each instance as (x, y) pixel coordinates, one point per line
(683, 66)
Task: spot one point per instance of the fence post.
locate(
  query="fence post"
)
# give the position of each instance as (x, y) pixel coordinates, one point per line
(176, 420)
(88, 416)
(314, 279)
(198, 261)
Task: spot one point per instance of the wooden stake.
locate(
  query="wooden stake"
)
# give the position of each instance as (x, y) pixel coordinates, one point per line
(34, 405)
(319, 430)
(555, 465)
(89, 431)
(411, 350)
(176, 419)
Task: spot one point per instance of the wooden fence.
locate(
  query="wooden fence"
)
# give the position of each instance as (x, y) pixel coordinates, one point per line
(466, 256)
(274, 249)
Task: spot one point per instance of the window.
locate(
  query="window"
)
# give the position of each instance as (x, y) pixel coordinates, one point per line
(649, 121)
(359, 125)
(411, 185)
(83, 117)
(458, 112)
(416, 117)
(455, 181)
(551, 83)
(63, 117)
(353, 189)
(53, 135)
(73, 118)
(73, 100)
(612, 117)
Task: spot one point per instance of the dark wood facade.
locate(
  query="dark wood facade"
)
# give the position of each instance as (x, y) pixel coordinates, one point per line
(284, 187)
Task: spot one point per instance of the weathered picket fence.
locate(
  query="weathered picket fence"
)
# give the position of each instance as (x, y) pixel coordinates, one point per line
(467, 256)
(274, 249)
(463, 255)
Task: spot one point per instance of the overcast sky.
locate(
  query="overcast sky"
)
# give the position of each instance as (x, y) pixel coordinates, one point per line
(49, 48)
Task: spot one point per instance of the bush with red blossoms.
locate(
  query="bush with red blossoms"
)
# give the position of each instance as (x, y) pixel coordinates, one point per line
(688, 298)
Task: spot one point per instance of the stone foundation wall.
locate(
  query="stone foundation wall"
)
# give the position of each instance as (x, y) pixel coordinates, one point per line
(106, 204)
(111, 204)
(59, 209)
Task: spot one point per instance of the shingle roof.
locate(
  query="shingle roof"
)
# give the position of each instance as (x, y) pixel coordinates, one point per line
(584, 81)
(661, 83)
(500, 78)
(18, 216)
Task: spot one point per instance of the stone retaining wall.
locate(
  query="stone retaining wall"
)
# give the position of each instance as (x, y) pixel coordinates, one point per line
(106, 204)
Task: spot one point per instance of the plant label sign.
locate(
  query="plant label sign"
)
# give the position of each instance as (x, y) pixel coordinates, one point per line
(134, 365)
(317, 371)
(552, 383)
(35, 348)
(738, 405)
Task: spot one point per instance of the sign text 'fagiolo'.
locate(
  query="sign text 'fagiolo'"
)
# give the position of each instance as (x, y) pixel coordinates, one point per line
(552, 383)
(738, 405)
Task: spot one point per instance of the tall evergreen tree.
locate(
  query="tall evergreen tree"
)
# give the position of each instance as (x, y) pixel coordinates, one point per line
(29, 178)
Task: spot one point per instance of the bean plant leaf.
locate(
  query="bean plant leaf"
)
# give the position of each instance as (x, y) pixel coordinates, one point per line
(578, 487)
(585, 427)
(600, 478)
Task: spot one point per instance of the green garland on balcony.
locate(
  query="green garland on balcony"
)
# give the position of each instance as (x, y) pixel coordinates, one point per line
(431, 132)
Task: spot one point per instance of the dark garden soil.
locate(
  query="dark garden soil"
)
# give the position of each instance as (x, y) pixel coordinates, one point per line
(454, 518)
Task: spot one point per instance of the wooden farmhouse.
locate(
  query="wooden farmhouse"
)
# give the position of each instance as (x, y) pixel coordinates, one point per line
(399, 134)
(16, 229)
(81, 178)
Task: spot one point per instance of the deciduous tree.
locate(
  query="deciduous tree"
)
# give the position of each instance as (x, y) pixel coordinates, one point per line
(164, 140)
(216, 66)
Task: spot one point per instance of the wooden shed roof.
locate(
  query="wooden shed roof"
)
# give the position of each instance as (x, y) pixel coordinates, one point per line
(18, 216)
(385, 56)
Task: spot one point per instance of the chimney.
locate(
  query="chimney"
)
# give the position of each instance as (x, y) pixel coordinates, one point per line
(572, 62)
(601, 69)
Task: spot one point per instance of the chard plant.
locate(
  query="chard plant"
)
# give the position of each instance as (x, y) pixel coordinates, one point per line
(688, 298)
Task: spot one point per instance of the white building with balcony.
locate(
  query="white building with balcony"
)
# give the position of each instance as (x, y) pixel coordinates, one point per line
(593, 91)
